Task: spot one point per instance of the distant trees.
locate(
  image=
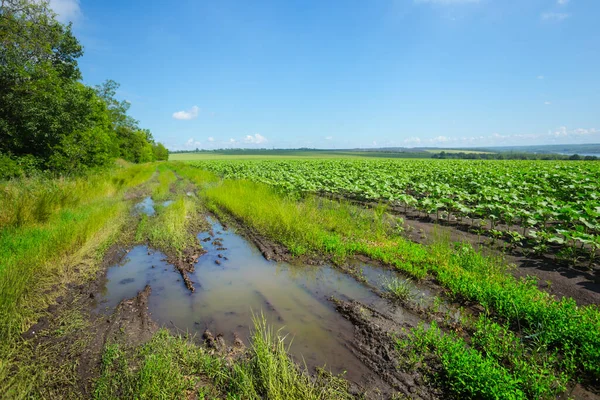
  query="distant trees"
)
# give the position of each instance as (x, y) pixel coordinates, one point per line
(49, 120)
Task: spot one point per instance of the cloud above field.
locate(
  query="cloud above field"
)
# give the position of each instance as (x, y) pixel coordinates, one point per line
(192, 143)
(192, 113)
(67, 10)
(255, 139)
(558, 135)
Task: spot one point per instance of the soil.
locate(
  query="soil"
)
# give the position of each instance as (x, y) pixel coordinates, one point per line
(185, 263)
(129, 325)
(374, 346)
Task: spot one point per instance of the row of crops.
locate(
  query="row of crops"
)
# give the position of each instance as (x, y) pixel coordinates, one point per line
(547, 204)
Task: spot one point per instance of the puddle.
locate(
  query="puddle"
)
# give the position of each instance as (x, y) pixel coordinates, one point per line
(145, 206)
(167, 203)
(377, 277)
(233, 280)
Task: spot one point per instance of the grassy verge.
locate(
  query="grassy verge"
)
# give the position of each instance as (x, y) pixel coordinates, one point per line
(74, 222)
(166, 178)
(170, 367)
(172, 229)
(569, 334)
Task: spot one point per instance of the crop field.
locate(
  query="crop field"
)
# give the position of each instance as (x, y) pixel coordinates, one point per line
(541, 203)
(291, 278)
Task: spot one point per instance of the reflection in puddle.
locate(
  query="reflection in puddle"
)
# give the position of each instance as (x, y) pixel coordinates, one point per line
(232, 281)
(145, 206)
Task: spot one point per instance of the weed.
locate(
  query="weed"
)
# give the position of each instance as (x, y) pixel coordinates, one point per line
(399, 288)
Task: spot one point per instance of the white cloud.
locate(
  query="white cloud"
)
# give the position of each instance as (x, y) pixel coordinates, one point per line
(187, 115)
(191, 143)
(563, 132)
(547, 103)
(66, 10)
(447, 2)
(440, 139)
(562, 2)
(329, 138)
(211, 139)
(540, 77)
(560, 135)
(412, 141)
(255, 139)
(554, 16)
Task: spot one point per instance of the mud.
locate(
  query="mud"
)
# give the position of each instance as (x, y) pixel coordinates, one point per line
(186, 262)
(374, 345)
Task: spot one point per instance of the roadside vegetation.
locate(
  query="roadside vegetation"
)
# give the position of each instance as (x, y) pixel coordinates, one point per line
(170, 367)
(53, 232)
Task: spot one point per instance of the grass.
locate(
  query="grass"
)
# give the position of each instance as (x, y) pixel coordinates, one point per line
(173, 367)
(166, 178)
(466, 372)
(169, 230)
(61, 225)
(497, 364)
(398, 288)
(25, 202)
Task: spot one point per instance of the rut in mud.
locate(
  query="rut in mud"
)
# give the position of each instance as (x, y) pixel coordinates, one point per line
(233, 281)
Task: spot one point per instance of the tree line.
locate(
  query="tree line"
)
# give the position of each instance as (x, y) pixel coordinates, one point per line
(49, 119)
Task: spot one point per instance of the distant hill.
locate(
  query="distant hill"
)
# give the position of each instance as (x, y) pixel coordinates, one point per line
(568, 149)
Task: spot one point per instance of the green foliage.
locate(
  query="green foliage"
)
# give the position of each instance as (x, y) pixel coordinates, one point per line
(46, 113)
(570, 333)
(160, 152)
(399, 288)
(553, 202)
(168, 230)
(171, 367)
(466, 372)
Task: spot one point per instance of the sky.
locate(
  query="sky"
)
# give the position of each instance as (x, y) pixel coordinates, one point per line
(348, 73)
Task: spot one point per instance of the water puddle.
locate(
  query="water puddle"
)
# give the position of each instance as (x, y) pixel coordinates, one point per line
(232, 281)
(379, 277)
(145, 206)
(167, 203)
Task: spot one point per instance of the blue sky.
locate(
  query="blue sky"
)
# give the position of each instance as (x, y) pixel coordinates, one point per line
(349, 73)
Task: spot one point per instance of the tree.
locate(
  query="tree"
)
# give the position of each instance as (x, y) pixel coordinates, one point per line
(38, 79)
(160, 152)
(48, 118)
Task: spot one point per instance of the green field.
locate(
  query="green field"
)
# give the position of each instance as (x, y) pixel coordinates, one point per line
(291, 154)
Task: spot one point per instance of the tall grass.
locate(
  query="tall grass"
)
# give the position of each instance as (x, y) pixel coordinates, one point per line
(34, 200)
(169, 230)
(172, 367)
(166, 178)
(60, 223)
